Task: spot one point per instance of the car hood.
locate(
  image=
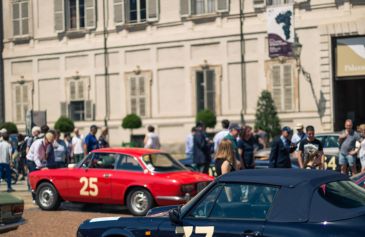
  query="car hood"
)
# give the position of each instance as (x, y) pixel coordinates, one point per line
(186, 176)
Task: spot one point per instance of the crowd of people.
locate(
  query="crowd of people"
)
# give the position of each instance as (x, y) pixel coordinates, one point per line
(234, 147)
(46, 149)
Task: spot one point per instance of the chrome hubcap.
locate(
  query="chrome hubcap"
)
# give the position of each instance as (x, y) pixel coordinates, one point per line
(139, 201)
(46, 197)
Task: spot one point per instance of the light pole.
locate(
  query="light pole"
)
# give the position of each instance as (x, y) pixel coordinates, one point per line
(106, 66)
(243, 79)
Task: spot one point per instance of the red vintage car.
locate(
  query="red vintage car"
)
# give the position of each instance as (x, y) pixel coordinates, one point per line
(137, 178)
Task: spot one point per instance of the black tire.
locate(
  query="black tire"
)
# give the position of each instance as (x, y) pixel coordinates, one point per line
(139, 201)
(47, 197)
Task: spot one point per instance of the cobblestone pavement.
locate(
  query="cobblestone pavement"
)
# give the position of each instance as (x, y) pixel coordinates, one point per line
(63, 222)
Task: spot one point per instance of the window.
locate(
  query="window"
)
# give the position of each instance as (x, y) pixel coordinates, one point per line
(278, 2)
(135, 11)
(20, 18)
(22, 98)
(74, 14)
(162, 163)
(103, 161)
(282, 87)
(128, 163)
(343, 194)
(203, 7)
(205, 90)
(236, 201)
(138, 92)
(78, 107)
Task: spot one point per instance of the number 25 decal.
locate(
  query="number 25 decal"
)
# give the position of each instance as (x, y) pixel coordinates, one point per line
(188, 230)
(91, 184)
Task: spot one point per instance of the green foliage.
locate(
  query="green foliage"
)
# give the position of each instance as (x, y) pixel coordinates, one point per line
(266, 116)
(10, 127)
(131, 121)
(207, 117)
(64, 124)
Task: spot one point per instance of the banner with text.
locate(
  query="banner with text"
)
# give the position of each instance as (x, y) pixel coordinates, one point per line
(280, 30)
(350, 57)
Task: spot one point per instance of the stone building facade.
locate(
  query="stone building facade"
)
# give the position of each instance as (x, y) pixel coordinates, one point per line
(168, 59)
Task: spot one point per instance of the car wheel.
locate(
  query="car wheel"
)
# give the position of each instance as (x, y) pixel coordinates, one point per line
(139, 201)
(47, 197)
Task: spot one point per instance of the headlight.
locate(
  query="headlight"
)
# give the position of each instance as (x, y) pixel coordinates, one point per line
(187, 188)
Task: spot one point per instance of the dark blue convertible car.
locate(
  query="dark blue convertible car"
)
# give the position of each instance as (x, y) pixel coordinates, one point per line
(264, 202)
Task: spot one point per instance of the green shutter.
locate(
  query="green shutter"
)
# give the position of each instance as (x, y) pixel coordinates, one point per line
(59, 16)
(90, 14)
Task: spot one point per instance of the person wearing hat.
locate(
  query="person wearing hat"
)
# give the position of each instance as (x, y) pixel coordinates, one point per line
(29, 140)
(201, 149)
(299, 136)
(281, 149)
(91, 142)
(234, 131)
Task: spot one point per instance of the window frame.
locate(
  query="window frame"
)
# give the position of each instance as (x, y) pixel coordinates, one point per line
(20, 18)
(147, 75)
(78, 20)
(270, 64)
(217, 87)
(279, 2)
(187, 9)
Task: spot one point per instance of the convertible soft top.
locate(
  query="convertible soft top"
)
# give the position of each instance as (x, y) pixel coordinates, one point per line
(298, 199)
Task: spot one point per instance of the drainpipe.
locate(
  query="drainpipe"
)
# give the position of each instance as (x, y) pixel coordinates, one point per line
(106, 66)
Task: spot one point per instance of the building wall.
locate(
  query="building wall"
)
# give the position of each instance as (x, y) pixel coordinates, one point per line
(170, 50)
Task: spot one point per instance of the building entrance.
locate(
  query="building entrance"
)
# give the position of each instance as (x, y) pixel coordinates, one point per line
(349, 102)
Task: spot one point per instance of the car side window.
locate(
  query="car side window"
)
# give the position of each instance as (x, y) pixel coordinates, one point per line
(331, 141)
(128, 163)
(103, 161)
(240, 201)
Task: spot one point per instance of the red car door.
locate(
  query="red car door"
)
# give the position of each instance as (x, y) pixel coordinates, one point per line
(92, 181)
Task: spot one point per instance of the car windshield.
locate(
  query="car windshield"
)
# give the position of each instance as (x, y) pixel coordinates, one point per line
(162, 162)
(328, 141)
(343, 194)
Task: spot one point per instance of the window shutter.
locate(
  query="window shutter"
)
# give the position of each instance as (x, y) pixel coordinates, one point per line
(141, 86)
(152, 10)
(133, 106)
(72, 90)
(210, 88)
(276, 86)
(80, 90)
(222, 5)
(59, 16)
(25, 18)
(118, 12)
(25, 94)
(90, 16)
(288, 88)
(185, 8)
(142, 106)
(88, 110)
(126, 11)
(64, 109)
(16, 19)
(18, 98)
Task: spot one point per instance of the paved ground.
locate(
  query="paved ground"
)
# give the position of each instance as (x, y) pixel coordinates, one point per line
(63, 222)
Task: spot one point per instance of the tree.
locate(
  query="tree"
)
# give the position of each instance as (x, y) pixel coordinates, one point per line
(64, 124)
(10, 127)
(131, 121)
(266, 116)
(207, 117)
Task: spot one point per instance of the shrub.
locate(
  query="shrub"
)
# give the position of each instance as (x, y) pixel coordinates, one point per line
(64, 124)
(266, 116)
(131, 121)
(207, 117)
(10, 127)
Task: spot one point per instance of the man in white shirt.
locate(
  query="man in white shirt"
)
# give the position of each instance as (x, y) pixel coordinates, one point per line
(220, 135)
(77, 146)
(5, 154)
(36, 156)
(189, 144)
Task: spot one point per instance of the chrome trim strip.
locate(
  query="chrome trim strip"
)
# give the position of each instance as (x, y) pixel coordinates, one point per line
(12, 225)
(174, 198)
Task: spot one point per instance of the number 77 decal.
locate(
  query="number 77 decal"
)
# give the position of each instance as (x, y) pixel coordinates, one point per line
(188, 230)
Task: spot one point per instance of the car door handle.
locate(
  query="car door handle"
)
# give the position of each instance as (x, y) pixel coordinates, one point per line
(250, 233)
(107, 175)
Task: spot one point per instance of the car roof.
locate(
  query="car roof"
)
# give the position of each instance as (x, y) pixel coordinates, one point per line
(127, 150)
(283, 177)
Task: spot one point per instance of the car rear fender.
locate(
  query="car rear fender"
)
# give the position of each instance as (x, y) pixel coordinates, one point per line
(132, 187)
(117, 232)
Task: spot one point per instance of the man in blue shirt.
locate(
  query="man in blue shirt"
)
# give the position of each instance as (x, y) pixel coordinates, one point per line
(91, 143)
